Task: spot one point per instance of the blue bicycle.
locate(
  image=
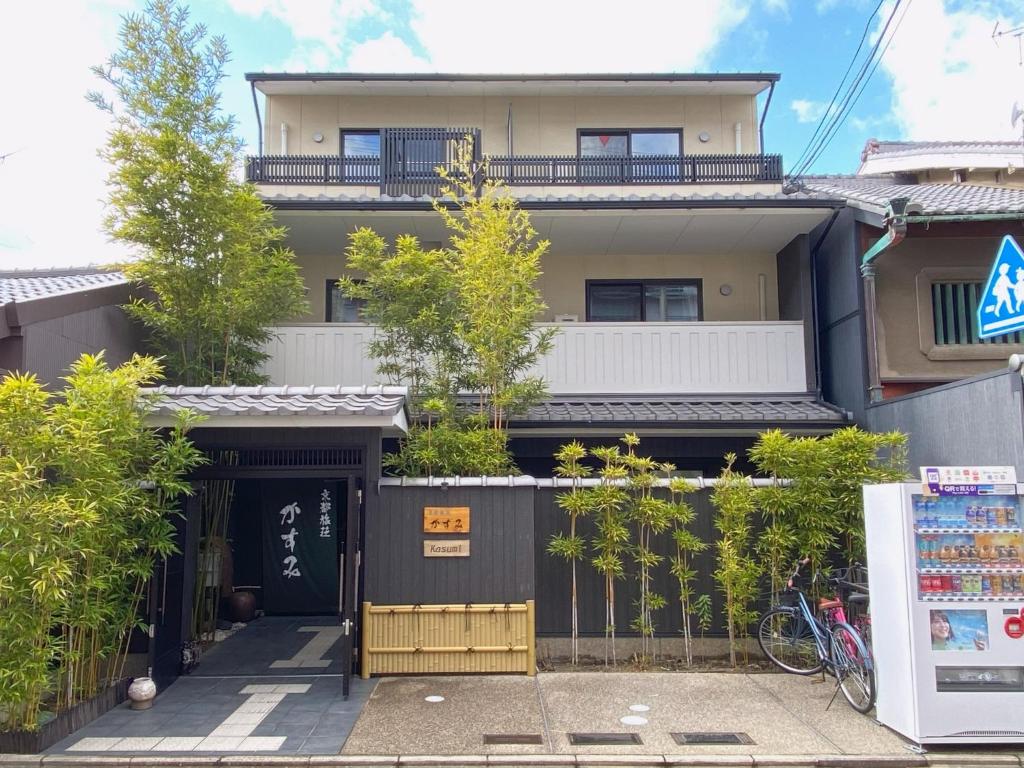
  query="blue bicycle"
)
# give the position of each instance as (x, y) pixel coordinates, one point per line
(798, 640)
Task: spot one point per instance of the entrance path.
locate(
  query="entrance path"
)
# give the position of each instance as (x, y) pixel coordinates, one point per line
(277, 645)
(273, 688)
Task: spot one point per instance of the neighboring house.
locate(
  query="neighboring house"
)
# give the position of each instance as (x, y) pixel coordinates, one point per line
(900, 272)
(998, 163)
(49, 318)
(678, 275)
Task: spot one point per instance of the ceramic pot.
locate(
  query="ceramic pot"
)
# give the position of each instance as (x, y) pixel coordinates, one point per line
(242, 606)
(142, 691)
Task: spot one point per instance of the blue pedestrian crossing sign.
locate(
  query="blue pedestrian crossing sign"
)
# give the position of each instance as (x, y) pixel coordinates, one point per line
(1001, 309)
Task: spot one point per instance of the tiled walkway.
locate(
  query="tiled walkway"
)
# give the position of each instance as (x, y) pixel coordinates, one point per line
(270, 688)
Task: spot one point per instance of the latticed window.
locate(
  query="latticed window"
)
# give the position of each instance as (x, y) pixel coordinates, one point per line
(955, 315)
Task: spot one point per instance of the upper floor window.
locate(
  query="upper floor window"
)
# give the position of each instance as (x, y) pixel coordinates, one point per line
(360, 143)
(630, 142)
(652, 301)
(340, 308)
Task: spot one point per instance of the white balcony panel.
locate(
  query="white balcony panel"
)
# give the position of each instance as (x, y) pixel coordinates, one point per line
(586, 358)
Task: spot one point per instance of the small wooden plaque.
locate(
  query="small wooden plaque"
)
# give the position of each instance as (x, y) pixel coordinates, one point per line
(446, 548)
(446, 519)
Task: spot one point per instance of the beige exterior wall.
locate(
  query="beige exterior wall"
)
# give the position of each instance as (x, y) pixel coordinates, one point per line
(541, 125)
(905, 329)
(563, 284)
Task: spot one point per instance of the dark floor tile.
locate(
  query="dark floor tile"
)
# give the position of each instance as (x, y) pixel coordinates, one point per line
(323, 746)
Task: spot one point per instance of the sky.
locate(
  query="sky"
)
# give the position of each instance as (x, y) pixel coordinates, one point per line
(942, 77)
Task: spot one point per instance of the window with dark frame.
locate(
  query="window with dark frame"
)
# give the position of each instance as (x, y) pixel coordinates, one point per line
(340, 308)
(631, 142)
(360, 143)
(955, 314)
(652, 301)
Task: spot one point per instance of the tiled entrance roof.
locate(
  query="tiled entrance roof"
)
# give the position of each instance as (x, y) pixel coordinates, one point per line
(284, 406)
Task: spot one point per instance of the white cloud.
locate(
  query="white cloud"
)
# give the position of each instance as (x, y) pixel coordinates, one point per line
(949, 79)
(824, 6)
(327, 22)
(385, 54)
(807, 111)
(51, 188)
(572, 36)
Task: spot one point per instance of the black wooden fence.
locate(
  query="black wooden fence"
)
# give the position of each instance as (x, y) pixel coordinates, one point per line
(510, 531)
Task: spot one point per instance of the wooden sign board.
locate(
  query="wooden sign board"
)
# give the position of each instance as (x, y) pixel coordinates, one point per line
(446, 519)
(446, 548)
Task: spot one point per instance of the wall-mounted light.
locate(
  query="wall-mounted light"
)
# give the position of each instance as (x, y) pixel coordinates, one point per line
(318, 137)
(725, 289)
(704, 137)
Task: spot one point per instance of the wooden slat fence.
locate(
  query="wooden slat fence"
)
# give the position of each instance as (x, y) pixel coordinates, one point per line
(446, 639)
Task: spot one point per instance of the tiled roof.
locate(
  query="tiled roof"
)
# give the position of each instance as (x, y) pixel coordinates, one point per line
(910, 148)
(280, 401)
(875, 192)
(26, 286)
(667, 411)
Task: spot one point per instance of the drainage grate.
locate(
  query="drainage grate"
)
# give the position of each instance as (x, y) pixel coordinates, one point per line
(513, 738)
(712, 737)
(602, 739)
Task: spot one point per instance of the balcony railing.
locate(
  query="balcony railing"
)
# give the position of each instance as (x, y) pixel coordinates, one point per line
(539, 170)
(587, 358)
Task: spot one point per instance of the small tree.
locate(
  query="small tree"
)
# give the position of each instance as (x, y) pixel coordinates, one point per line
(576, 504)
(210, 253)
(737, 572)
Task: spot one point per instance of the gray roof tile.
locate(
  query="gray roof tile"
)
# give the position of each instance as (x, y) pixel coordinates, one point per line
(910, 148)
(874, 192)
(667, 410)
(279, 401)
(26, 286)
(565, 198)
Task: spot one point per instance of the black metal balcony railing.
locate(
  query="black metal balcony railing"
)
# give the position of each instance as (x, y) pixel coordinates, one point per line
(519, 170)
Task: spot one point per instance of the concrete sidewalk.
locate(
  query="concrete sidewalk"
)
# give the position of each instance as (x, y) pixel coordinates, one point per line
(782, 720)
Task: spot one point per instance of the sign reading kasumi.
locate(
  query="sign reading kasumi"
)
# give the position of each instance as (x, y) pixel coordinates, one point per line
(446, 519)
(446, 548)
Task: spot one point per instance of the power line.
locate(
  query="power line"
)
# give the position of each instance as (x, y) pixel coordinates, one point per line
(831, 122)
(828, 109)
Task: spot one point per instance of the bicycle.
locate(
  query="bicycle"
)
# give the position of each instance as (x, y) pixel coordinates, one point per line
(798, 641)
(851, 585)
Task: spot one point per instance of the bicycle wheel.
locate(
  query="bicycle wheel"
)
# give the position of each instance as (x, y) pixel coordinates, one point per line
(787, 640)
(853, 667)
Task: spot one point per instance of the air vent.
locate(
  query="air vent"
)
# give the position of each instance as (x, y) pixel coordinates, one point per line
(513, 738)
(278, 458)
(988, 733)
(604, 739)
(712, 737)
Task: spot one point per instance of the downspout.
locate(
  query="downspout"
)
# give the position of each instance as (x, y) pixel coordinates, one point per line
(814, 301)
(895, 219)
(259, 120)
(760, 127)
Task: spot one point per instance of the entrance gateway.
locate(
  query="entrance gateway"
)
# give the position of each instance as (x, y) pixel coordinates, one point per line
(295, 525)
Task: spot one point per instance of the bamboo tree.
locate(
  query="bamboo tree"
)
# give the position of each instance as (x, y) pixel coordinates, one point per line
(651, 516)
(576, 504)
(737, 571)
(687, 546)
(88, 490)
(607, 502)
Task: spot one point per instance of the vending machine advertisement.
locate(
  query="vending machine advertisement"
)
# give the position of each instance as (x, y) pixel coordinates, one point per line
(946, 564)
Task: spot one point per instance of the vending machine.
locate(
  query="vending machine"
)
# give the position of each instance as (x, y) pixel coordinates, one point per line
(947, 604)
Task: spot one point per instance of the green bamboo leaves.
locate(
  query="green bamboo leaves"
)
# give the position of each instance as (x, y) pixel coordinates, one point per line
(215, 272)
(87, 491)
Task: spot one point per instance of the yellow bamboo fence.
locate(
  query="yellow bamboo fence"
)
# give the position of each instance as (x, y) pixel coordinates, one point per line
(446, 639)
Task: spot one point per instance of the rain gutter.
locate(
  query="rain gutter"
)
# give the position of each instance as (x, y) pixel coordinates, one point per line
(259, 120)
(764, 114)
